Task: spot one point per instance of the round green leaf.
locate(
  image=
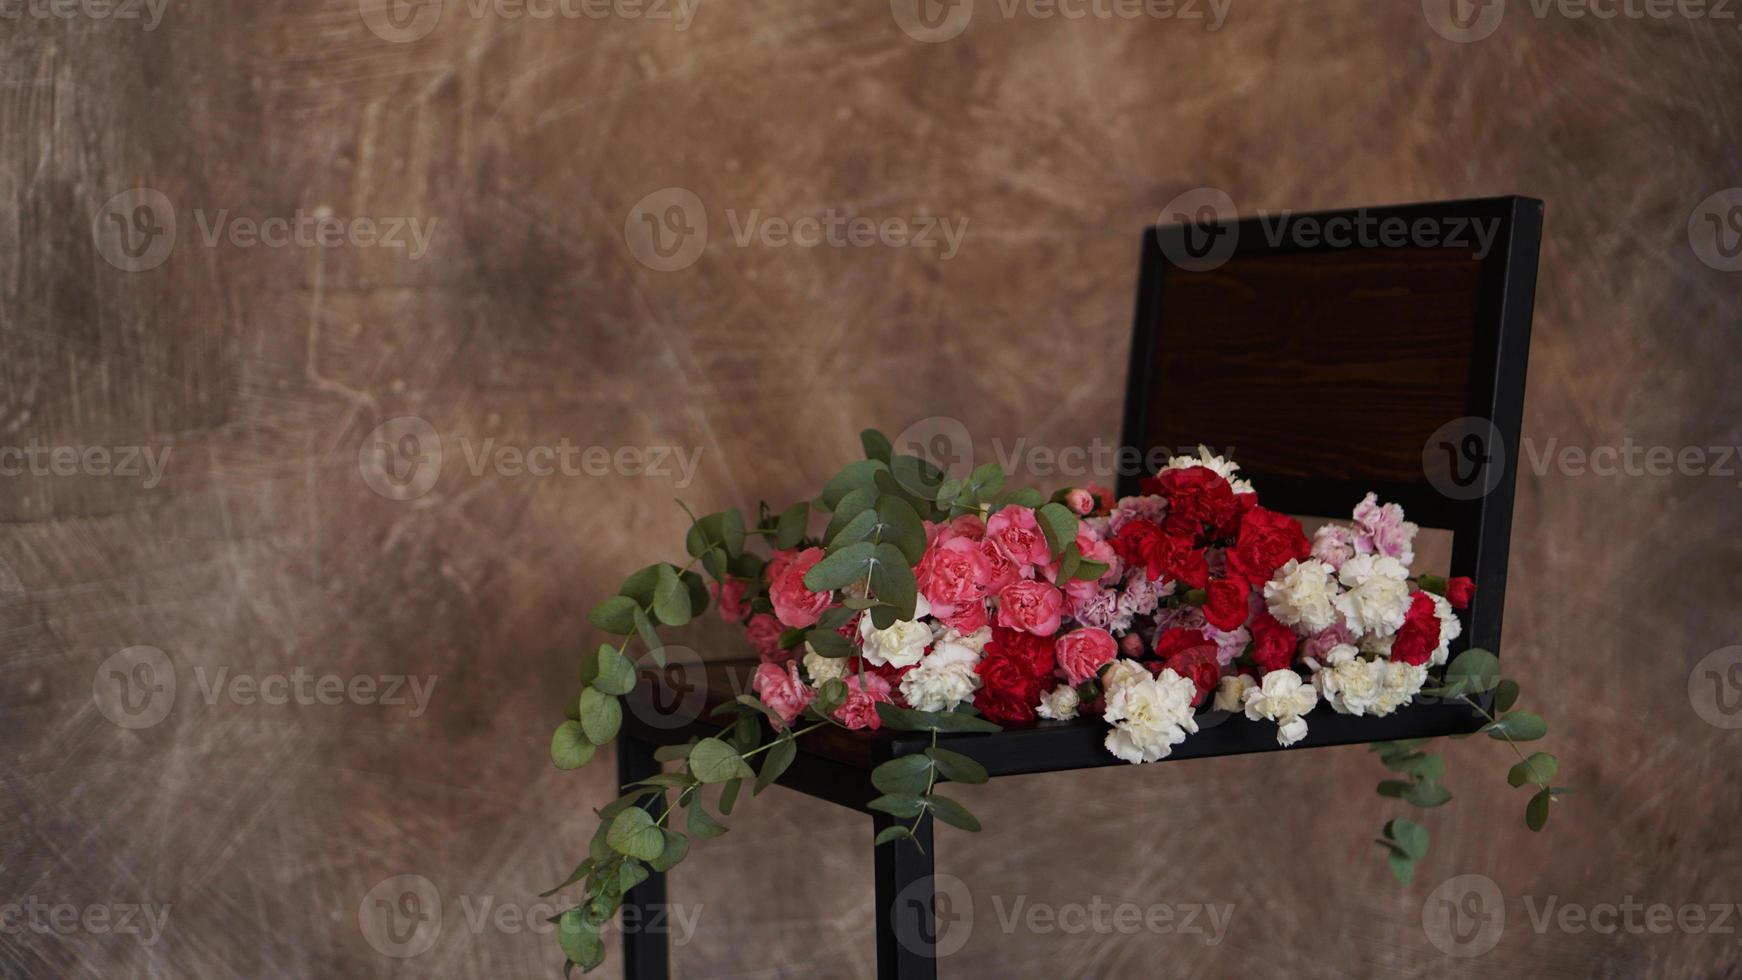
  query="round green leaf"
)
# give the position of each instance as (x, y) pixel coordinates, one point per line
(601, 715)
(616, 673)
(1540, 769)
(952, 813)
(569, 747)
(633, 834)
(671, 601)
(713, 761)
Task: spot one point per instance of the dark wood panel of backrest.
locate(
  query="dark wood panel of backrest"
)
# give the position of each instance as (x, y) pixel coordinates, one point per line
(1335, 365)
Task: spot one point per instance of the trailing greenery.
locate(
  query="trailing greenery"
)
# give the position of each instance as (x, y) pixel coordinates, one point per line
(1472, 678)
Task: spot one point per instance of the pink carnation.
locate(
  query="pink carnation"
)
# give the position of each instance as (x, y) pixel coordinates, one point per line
(1381, 529)
(1002, 571)
(1082, 653)
(1149, 508)
(1318, 646)
(1334, 544)
(1031, 606)
(864, 690)
(952, 577)
(729, 598)
(1015, 528)
(968, 526)
(782, 690)
(795, 605)
(764, 631)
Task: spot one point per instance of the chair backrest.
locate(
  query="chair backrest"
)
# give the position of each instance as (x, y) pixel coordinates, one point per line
(1335, 353)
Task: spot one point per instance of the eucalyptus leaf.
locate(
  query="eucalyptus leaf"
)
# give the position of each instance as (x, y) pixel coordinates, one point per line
(849, 565)
(952, 813)
(1518, 726)
(888, 834)
(713, 761)
(898, 805)
(616, 673)
(701, 823)
(615, 615)
(1536, 811)
(677, 846)
(1058, 524)
(793, 522)
(580, 940)
(780, 756)
(601, 715)
(633, 834)
(907, 775)
(828, 643)
(1427, 794)
(569, 747)
(671, 601)
(957, 767)
(1540, 768)
(876, 445)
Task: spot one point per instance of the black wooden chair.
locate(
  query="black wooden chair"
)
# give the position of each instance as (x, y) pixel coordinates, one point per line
(1329, 361)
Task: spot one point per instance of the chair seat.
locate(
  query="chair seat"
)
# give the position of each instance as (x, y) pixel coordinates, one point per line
(1047, 746)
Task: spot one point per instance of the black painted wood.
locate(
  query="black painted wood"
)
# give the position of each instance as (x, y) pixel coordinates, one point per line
(646, 951)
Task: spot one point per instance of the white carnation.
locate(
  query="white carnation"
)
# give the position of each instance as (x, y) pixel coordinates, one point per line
(1300, 595)
(1378, 596)
(1150, 714)
(1399, 683)
(1450, 629)
(1283, 698)
(944, 679)
(1352, 686)
(1060, 703)
(1231, 691)
(820, 668)
(901, 644)
(1224, 468)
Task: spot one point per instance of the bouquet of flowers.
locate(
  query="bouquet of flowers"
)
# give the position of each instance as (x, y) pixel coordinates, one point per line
(945, 605)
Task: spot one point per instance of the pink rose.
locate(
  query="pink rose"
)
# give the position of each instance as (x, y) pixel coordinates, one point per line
(730, 599)
(1001, 570)
(1082, 653)
(795, 605)
(860, 709)
(782, 690)
(1015, 528)
(777, 563)
(1031, 606)
(764, 634)
(952, 577)
(1080, 501)
(964, 526)
(1094, 549)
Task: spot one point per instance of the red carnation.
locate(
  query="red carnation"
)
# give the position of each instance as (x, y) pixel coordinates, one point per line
(1197, 498)
(1172, 641)
(1198, 663)
(1034, 652)
(1186, 564)
(1267, 541)
(1227, 607)
(1459, 591)
(1142, 544)
(1273, 644)
(1420, 633)
(1009, 688)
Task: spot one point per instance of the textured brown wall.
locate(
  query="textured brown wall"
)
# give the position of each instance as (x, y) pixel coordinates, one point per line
(262, 549)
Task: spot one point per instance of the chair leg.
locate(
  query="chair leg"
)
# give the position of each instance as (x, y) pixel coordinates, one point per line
(646, 955)
(906, 919)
